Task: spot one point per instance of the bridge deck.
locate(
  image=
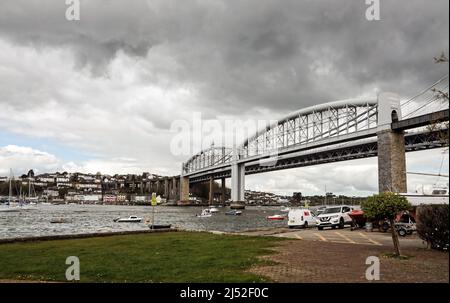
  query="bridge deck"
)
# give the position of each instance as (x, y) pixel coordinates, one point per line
(420, 121)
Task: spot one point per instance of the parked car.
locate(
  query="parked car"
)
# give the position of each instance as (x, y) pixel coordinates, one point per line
(405, 224)
(335, 216)
(301, 217)
(320, 210)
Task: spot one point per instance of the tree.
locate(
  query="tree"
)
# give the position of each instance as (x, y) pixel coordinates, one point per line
(386, 205)
(437, 126)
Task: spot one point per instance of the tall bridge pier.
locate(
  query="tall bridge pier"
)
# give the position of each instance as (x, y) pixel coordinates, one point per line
(391, 146)
(184, 189)
(237, 179)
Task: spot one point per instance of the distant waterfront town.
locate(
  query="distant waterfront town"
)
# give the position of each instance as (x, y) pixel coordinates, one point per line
(133, 189)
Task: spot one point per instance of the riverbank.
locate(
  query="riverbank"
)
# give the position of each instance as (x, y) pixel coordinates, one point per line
(82, 236)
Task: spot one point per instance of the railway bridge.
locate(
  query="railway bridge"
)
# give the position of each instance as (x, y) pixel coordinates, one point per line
(383, 127)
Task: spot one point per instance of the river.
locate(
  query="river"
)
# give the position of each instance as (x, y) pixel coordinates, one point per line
(81, 219)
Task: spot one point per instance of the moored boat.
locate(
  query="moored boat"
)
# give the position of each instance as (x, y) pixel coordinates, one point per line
(206, 213)
(275, 217)
(160, 226)
(130, 219)
(233, 212)
(213, 209)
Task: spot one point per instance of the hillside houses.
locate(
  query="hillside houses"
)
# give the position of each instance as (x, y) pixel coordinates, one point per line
(89, 188)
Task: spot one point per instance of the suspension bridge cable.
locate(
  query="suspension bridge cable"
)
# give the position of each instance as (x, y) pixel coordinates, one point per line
(430, 100)
(425, 90)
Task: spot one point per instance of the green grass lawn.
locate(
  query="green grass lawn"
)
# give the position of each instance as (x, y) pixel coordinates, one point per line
(161, 257)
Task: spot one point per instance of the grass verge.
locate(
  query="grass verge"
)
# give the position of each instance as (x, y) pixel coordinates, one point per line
(162, 257)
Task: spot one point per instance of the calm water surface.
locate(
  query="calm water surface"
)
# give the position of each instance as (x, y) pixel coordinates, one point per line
(99, 218)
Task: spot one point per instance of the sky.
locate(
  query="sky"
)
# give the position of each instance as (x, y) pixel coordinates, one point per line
(103, 94)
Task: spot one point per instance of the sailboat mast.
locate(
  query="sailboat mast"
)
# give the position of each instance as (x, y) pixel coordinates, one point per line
(10, 188)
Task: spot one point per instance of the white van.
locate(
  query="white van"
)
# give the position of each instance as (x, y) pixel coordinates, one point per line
(301, 217)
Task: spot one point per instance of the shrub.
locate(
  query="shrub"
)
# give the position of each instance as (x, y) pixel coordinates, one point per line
(432, 225)
(386, 205)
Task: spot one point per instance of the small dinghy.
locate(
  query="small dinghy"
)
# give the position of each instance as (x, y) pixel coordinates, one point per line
(130, 219)
(160, 226)
(233, 213)
(275, 218)
(59, 221)
(206, 213)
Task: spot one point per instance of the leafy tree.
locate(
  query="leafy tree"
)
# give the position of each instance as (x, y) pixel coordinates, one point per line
(386, 205)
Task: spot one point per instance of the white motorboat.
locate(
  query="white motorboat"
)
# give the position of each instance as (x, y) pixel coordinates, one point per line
(213, 209)
(206, 213)
(130, 219)
(285, 209)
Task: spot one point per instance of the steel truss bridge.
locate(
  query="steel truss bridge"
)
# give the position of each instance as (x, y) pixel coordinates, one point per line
(331, 132)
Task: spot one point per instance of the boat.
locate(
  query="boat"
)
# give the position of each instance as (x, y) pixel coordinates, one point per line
(275, 217)
(130, 219)
(160, 226)
(10, 206)
(233, 213)
(206, 213)
(285, 209)
(213, 209)
(428, 194)
(59, 221)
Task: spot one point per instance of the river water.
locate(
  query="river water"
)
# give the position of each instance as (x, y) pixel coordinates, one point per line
(80, 219)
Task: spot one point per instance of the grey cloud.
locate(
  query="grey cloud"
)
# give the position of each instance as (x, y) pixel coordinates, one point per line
(236, 57)
(245, 54)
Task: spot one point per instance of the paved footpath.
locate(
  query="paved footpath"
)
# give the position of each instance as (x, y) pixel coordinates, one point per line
(320, 261)
(339, 255)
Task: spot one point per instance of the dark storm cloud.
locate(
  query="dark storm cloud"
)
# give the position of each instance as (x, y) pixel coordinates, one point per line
(241, 55)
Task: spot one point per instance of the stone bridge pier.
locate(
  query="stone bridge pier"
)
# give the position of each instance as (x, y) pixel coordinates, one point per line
(391, 146)
(183, 190)
(166, 187)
